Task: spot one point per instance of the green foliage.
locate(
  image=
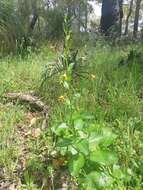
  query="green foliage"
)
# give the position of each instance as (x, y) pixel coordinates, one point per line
(87, 149)
(54, 28)
(95, 125)
(83, 142)
(10, 116)
(96, 118)
(67, 61)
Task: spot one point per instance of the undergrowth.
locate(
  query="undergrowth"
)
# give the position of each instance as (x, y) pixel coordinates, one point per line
(95, 128)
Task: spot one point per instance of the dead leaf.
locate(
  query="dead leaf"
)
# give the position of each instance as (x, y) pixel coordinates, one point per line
(30, 115)
(36, 132)
(57, 163)
(33, 121)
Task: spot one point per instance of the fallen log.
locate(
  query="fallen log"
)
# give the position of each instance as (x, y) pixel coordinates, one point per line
(32, 100)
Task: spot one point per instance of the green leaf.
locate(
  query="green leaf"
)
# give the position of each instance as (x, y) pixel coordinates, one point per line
(72, 150)
(91, 128)
(83, 146)
(61, 129)
(103, 157)
(64, 142)
(105, 138)
(78, 124)
(76, 164)
(96, 180)
(118, 173)
(94, 141)
(90, 182)
(108, 137)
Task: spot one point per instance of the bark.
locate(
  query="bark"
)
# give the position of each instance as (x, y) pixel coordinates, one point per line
(121, 14)
(86, 15)
(79, 17)
(32, 24)
(128, 16)
(136, 20)
(33, 21)
(111, 15)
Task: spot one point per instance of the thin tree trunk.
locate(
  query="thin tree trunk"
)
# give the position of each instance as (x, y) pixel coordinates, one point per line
(128, 16)
(79, 17)
(136, 20)
(31, 26)
(86, 15)
(33, 22)
(121, 15)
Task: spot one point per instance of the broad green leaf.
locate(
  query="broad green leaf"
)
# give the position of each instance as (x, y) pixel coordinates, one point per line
(103, 138)
(72, 150)
(61, 129)
(96, 180)
(83, 146)
(103, 157)
(64, 142)
(90, 182)
(76, 164)
(94, 140)
(78, 124)
(92, 128)
(108, 137)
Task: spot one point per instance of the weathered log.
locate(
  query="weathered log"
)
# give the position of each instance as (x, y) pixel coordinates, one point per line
(32, 100)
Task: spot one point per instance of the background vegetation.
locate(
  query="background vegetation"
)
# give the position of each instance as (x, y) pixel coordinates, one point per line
(86, 74)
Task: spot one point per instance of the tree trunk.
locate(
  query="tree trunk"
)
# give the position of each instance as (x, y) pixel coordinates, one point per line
(33, 21)
(110, 16)
(31, 26)
(136, 20)
(86, 15)
(121, 15)
(79, 17)
(128, 16)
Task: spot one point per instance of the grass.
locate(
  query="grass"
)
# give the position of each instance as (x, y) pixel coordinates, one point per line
(23, 74)
(109, 94)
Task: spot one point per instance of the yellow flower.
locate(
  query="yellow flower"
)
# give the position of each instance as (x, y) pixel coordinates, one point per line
(93, 76)
(61, 98)
(64, 76)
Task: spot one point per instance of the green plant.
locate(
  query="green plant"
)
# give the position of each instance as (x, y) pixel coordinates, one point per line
(88, 149)
(68, 61)
(95, 128)
(85, 145)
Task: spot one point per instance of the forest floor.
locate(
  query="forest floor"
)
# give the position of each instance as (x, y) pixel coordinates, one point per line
(19, 125)
(111, 92)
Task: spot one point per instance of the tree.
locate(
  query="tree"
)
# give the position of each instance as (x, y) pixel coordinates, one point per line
(111, 16)
(128, 16)
(8, 25)
(136, 20)
(121, 14)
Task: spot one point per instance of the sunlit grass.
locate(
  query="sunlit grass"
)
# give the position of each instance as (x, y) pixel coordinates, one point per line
(112, 94)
